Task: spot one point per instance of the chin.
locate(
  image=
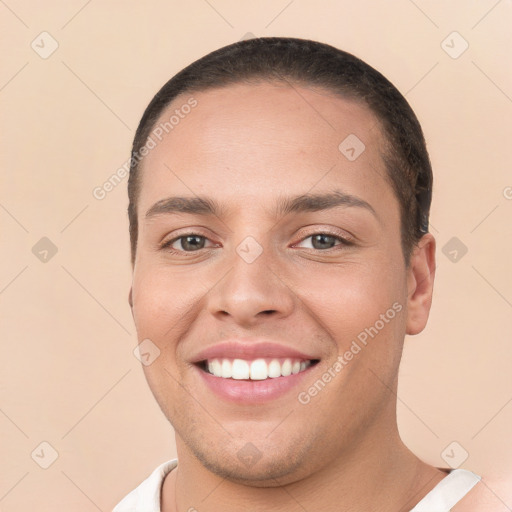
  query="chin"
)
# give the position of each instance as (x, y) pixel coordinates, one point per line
(266, 472)
(258, 463)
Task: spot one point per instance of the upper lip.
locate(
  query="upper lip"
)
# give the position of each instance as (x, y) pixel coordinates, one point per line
(250, 349)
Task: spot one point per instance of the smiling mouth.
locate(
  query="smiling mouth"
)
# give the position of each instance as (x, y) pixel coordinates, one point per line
(256, 369)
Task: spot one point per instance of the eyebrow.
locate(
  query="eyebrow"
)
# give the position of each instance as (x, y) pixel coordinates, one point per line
(297, 204)
(317, 202)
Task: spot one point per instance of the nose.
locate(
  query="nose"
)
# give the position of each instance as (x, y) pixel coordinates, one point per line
(249, 292)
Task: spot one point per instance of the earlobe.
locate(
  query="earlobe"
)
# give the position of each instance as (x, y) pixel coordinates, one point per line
(420, 283)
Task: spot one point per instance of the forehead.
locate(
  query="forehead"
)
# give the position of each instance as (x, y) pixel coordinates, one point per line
(243, 139)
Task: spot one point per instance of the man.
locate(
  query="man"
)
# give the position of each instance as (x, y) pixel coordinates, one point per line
(279, 198)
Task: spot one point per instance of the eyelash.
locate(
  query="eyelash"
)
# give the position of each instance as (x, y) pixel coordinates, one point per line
(167, 245)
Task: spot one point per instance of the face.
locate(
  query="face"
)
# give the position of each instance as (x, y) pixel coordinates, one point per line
(278, 304)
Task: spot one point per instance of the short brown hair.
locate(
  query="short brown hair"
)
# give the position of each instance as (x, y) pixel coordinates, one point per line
(312, 63)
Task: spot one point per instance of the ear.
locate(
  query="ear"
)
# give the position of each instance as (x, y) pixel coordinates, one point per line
(130, 299)
(420, 283)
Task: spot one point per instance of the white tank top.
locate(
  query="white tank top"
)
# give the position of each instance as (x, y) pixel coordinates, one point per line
(448, 492)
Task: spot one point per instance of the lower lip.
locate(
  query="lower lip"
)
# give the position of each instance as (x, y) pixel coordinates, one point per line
(252, 391)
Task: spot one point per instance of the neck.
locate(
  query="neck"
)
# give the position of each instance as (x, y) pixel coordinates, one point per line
(377, 473)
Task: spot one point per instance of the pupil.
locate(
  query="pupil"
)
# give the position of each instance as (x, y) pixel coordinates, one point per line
(322, 238)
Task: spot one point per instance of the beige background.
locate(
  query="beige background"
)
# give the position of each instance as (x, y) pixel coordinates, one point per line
(68, 373)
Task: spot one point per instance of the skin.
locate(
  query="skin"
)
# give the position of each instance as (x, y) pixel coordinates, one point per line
(246, 146)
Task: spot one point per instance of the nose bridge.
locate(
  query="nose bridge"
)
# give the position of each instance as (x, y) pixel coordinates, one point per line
(253, 284)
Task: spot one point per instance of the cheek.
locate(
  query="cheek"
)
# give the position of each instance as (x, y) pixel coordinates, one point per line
(354, 297)
(150, 311)
(363, 310)
(159, 304)
(156, 316)
(159, 300)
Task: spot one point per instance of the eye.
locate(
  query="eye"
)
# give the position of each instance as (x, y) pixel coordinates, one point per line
(323, 241)
(189, 242)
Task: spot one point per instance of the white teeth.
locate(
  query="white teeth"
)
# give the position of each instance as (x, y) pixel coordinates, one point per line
(226, 368)
(258, 369)
(274, 369)
(286, 368)
(240, 369)
(214, 367)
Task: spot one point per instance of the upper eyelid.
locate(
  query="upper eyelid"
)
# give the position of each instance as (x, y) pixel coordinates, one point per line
(190, 232)
(341, 234)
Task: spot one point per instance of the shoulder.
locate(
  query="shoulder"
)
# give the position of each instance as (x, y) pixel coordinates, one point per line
(492, 494)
